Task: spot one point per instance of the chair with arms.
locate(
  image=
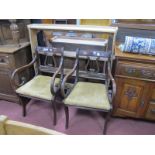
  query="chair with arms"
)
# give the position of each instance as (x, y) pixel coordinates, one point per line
(41, 87)
(91, 95)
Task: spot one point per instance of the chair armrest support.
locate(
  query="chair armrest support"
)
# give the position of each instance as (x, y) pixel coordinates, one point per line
(112, 81)
(18, 70)
(65, 92)
(53, 87)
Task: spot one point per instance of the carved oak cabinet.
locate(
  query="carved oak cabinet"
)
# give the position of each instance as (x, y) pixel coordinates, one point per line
(135, 79)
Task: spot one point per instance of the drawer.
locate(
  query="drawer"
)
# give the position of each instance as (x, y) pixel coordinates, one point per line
(138, 70)
(4, 61)
(150, 114)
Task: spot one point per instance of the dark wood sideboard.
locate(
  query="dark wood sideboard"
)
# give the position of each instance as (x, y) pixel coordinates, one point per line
(12, 57)
(135, 79)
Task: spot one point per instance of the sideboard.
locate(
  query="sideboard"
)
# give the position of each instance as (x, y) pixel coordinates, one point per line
(135, 79)
(12, 57)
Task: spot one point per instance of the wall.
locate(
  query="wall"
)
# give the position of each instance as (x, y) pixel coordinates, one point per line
(99, 22)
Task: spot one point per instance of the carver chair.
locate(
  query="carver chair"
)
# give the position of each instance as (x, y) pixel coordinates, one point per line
(92, 94)
(41, 86)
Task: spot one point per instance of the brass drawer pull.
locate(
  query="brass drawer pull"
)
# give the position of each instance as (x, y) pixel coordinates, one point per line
(147, 73)
(130, 70)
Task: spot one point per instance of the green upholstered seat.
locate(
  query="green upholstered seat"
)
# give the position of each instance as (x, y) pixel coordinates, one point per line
(87, 94)
(38, 87)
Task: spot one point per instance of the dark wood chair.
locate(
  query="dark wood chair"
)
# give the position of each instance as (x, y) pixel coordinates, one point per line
(92, 94)
(41, 86)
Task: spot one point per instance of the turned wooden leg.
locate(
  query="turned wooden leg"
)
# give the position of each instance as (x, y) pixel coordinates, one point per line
(67, 117)
(55, 113)
(106, 122)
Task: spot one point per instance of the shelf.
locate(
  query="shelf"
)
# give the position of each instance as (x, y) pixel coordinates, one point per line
(82, 41)
(81, 28)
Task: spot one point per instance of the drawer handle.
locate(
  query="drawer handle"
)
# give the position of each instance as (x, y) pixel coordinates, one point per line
(152, 111)
(130, 70)
(146, 73)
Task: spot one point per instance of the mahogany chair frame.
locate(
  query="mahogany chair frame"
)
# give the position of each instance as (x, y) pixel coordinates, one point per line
(109, 82)
(46, 51)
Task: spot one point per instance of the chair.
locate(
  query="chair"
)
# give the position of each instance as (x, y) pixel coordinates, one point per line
(91, 95)
(41, 87)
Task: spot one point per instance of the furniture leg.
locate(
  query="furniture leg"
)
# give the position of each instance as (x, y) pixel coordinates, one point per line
(67, 117)
(55, 113)
(106, 122)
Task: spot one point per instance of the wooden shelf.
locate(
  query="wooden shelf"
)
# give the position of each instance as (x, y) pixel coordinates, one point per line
(82, 28)
(82, 41)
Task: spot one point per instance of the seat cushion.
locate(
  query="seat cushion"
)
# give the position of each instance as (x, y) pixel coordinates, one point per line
(87, 94)
(38, 87)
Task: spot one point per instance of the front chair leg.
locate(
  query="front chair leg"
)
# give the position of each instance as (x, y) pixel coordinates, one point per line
(23, 103)
(67, 117)
(55, 113)
(106, 122)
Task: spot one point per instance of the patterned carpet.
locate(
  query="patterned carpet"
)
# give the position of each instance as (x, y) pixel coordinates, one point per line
(82, 122)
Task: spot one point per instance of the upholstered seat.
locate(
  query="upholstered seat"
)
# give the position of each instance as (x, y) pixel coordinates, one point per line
(87, 94)
(38, 87)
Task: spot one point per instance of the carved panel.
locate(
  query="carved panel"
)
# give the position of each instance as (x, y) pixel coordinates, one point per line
(130, 97)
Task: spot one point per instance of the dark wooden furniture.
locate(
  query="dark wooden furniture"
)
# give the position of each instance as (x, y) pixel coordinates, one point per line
(40, 87)
(90, 95)
(6, 35)
(12, 57)
(135, 80)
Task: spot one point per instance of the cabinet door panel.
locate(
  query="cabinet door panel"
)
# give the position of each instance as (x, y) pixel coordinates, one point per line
(131, 100)
(5, 85)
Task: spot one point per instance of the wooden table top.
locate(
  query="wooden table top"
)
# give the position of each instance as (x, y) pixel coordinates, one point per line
(11, 48)
(120, 54)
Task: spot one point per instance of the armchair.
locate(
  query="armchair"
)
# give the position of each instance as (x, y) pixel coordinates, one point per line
(41, 87)
(91, 95)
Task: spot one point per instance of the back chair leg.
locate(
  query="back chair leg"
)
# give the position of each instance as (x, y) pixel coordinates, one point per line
(67, 117)
(106, 122)
(55, 113)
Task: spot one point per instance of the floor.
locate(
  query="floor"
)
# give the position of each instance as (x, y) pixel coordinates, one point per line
(82, 122)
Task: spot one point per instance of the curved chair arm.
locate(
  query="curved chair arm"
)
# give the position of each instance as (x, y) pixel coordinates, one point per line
(63, 84)
(54, 88)
(113, 82)
(13, 83)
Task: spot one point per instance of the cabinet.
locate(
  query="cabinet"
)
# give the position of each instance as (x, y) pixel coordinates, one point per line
(12, 57)
(135, 79)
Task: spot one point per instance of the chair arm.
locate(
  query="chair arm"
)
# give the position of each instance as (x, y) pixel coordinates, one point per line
(113, 82)
(53, 86)
(13, 83)
(63, 84)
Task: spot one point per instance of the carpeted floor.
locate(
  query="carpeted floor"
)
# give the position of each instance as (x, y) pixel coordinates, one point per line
(82, 122)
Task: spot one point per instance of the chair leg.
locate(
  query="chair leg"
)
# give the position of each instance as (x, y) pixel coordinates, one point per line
(23, 103)
(67, 117)
(55, 113)
(108, 116)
